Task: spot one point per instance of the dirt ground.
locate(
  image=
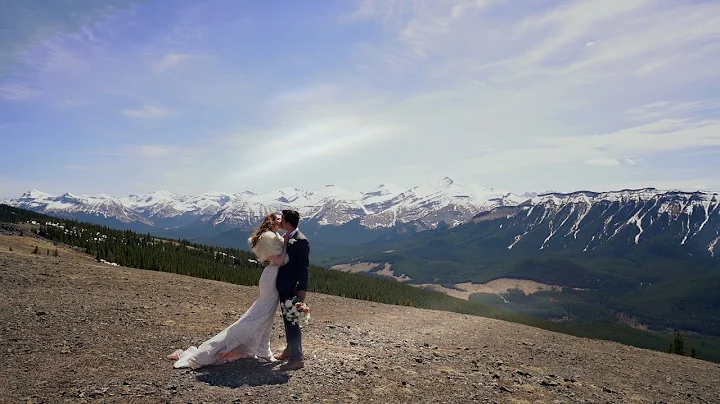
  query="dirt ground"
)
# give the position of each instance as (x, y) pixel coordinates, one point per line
(74, 330)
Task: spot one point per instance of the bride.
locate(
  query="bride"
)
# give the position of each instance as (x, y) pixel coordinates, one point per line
(248, 337)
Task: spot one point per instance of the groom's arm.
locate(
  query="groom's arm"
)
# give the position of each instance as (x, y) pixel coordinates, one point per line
(303, 265)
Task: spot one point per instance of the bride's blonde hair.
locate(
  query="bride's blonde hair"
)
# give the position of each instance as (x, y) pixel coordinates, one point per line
(266, 225)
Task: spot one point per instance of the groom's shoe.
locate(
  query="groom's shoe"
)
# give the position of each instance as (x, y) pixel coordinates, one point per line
(292, 365)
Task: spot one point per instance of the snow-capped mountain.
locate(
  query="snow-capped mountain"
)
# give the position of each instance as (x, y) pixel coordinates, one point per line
(582, 221)
(385, 206)
(68, 204)
(586, 221)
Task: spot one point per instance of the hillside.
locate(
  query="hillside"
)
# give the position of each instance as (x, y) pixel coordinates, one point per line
(77, 330)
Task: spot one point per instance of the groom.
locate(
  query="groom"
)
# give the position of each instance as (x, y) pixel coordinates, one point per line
(292, 280)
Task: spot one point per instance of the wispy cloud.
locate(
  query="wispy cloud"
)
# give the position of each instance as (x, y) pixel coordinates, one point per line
(70, 103)
(173, 59)
(147, 112)
(603, 162)
(16, 92)
(153, 150)
(57, 57)
(142, 150)
(671, 109)
(76, 168)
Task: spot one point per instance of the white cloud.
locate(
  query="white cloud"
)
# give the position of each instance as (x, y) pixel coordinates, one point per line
(659, 137)
(16, 92)
(71, 103)
(651, 66)
(144, 150)
(575, 22)
(659, 109)
(275, 151)
(310, 95)
(57, 57)
(153, 150)
(76, 168)
(171, 60)
(603, 162)
(147, 112)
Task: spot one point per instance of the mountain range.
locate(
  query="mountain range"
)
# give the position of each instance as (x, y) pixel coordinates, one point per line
(643, 222)
(207, 216)
(582, 220)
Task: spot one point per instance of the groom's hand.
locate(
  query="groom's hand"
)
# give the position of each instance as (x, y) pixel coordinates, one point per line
(301, 295)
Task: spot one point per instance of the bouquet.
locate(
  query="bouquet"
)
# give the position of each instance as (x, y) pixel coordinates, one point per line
(296, 311)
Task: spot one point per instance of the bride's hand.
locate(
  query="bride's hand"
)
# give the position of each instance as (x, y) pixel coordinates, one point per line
(278, 259)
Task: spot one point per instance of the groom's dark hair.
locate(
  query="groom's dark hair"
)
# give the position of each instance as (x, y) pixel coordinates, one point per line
(291, 217)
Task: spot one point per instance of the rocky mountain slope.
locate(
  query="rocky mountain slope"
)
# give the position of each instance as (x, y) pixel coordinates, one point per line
(65, 338)
(586, 221)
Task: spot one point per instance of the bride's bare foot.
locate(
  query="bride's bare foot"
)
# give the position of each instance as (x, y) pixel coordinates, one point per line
(233, 356)
(175, 355)
(270, 358)
(282, 356)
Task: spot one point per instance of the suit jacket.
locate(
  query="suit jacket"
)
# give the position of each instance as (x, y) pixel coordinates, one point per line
(293, 276)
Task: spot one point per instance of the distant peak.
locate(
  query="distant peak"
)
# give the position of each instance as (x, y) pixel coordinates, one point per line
(443, 182)
(35, 194)
(162, 192)
(68, 195)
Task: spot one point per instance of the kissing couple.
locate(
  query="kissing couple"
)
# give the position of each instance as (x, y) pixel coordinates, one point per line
(285, 277)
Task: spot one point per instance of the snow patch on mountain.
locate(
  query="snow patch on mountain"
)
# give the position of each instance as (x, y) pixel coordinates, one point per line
(564, 215)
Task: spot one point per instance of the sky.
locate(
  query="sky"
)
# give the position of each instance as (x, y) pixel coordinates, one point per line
(125, 97)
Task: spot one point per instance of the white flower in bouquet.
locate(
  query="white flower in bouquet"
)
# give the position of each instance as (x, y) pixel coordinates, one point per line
(296, 311)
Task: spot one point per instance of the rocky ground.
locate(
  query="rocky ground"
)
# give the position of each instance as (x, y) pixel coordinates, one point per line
(74, 330)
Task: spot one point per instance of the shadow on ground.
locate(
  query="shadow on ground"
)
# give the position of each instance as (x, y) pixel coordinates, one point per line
(243, 372)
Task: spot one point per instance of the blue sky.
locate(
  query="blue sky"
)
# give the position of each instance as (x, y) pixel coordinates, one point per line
(119, 96)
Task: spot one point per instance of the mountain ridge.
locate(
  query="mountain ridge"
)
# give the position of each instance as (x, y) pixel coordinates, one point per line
(382, 207)
(390, 212)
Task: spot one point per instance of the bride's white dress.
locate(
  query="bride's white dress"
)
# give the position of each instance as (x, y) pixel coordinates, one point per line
(248, 337)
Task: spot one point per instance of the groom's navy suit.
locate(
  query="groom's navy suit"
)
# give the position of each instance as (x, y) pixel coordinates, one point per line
(291, 278)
